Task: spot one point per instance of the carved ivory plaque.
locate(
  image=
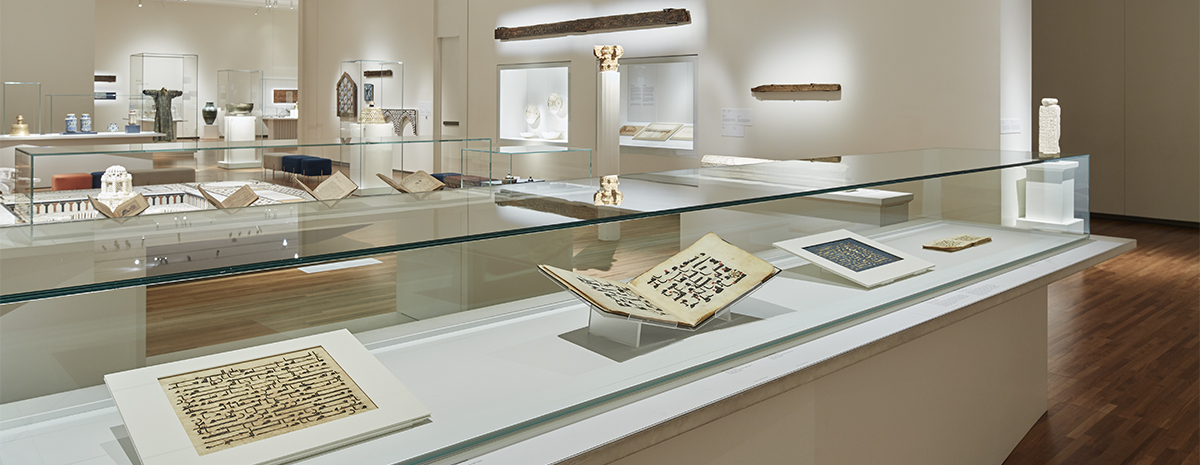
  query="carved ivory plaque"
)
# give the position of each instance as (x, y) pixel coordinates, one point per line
(231, 405)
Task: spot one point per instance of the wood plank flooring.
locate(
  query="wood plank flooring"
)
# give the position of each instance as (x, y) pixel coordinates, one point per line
(1124, 357)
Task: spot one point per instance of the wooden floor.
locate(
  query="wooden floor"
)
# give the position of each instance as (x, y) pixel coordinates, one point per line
(1124, 357)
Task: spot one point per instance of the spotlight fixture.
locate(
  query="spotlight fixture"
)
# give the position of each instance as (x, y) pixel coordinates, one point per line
(139, 3)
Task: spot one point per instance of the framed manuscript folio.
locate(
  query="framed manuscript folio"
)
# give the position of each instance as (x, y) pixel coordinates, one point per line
(268, 404)
(863, 261)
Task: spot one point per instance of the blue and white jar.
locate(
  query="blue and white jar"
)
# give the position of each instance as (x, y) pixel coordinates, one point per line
(72, 123)
(112, 127)
(85, 123)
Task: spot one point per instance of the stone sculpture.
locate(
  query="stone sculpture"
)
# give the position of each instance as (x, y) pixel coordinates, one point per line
(163, 122)
(608, 193)
(608, 56)
(1048, 126)
(400, 117)
(116, 186)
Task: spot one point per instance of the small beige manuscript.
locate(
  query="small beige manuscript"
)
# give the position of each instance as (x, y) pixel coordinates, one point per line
(956, 243)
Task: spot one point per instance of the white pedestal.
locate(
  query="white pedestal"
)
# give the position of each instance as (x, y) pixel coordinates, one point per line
(210, 132)
(240, 129)
(371, 159)
(1050, 197)
(608, 123)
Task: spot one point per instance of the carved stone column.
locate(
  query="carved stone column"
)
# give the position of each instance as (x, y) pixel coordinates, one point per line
(608, 123)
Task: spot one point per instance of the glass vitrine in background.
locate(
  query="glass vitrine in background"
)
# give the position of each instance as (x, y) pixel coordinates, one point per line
(21, 99)
(156, 71)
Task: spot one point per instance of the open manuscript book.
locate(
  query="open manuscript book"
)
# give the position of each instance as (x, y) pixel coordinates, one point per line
(687, 289)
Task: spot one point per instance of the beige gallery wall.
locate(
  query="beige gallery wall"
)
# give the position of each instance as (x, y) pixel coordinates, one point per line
(915, 74)
(1127, 75)
(60, 58)
(223, 36)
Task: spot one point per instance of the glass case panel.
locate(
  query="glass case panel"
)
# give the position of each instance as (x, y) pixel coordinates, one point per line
(659, 94)
(535, 102)
(22, 99)
(532, 163)
(157, 71)
(108, 111)
(443, 287)
(239, 94)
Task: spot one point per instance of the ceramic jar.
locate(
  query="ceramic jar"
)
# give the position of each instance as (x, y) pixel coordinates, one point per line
(72, 123)
(112, 127)
(85, 123)
(210, 113)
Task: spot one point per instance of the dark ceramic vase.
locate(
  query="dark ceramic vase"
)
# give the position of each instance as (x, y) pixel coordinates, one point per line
(210, 113)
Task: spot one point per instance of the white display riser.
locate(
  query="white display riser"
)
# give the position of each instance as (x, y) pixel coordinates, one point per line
(491, 373)
(957, 379)
(240, 129)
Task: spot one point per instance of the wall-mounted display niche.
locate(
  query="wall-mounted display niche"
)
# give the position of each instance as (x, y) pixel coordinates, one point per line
(534, 102)
(280, 96)
(22, 99)
(658, 103)
(156, 71)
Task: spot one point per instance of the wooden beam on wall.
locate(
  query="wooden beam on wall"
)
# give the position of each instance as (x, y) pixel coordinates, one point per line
(380, 73)
(798, 88)
(666, 17)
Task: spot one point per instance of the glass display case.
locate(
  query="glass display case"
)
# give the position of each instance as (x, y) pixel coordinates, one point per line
(156, 71)
(168, 174)
(21, 99)
(532, 163)
(535, 102)
(371, 105)
(105, 108)
(239, 96)
(443, 287)
(658, 105)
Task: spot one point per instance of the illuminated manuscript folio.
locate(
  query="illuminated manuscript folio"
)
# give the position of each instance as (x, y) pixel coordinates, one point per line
(687, 289)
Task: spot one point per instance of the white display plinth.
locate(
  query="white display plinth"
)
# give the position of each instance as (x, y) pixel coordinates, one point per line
(1050, 197)
(372, 159)
(240, 129)
(210, 132)
(608, 123)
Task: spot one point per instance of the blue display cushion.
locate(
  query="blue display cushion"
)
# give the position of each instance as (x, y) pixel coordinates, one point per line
(133, 128)
(74, 133)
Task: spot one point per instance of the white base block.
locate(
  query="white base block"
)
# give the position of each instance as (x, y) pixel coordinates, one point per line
(239, 165)
(210, 132)
(375, 158)
(609, 232)
(1074, 225)
(240, 129)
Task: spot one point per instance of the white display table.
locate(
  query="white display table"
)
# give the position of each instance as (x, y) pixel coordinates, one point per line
(99, 138)
(282, 128)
